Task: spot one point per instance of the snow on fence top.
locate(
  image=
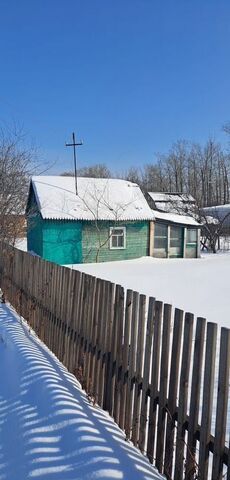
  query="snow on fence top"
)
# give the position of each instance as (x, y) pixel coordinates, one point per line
(97, 199)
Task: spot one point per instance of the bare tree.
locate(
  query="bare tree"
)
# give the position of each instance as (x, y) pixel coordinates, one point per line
(213, 223)
(212, 231)
(96, 201)
(16, 165)
(98, 170)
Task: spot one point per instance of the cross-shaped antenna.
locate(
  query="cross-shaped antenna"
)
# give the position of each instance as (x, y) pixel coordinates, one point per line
(74, 145)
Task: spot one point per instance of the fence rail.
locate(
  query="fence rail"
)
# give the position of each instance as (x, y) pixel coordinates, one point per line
(152, 367)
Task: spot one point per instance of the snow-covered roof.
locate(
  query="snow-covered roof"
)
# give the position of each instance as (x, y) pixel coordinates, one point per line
(171, 197)
(178, 203)
(217, 213)
(216, 208)
(176, 218)
(98, 198)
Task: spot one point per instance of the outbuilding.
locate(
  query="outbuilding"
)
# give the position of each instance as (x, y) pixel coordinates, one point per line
(173, 235)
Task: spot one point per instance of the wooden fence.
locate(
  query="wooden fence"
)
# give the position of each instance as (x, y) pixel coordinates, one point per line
(152, 367)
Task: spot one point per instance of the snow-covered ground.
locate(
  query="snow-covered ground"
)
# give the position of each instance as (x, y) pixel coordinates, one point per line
(200, 286)
(48, 428)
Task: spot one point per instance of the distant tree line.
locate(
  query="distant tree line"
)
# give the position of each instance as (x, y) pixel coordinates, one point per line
(202, 171)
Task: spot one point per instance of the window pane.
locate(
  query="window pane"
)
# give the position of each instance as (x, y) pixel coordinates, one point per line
(176, 233)
(191, 235)
(118, 231)
(176, 241)
(120, 241)
(160, 230)
(160, 242)
(114, 241)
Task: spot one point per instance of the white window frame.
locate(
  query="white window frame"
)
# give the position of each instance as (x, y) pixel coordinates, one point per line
(111, 230)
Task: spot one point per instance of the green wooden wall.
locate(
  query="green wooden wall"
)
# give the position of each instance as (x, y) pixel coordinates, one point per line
(56, 241)
(67, 242)
(62, 241)
(137, 241)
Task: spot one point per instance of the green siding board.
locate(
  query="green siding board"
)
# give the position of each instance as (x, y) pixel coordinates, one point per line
(137, 241)
(62, 241)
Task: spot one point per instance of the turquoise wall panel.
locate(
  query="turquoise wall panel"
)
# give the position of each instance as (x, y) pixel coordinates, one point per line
(62, 241)
(95, 241)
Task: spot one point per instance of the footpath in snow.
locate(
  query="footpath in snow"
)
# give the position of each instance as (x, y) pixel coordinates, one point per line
(48, 428)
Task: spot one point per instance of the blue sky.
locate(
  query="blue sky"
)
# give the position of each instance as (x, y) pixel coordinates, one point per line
(130, 77)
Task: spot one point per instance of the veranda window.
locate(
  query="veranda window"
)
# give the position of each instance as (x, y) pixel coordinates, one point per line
(191, 243)
(160, 240)
(191, 236)
(176, 242)
(117, 238)
(160, 236)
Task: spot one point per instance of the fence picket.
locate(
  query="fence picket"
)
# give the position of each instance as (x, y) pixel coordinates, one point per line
(222, 404)
(183, 395)
(139, 367)
(191, 464)
(173, 388)
(154, 380)
(207, 402)
(164, 377)
(145, 382)
(125, 357)
(132, 365)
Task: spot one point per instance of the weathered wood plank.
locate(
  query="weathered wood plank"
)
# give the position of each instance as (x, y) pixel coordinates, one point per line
(146, 374)
(183, 395)
(207, 400)
(173, 389)
(222, 404)
(112, 365)
(163, 390)
(191, 465)
(139, 368)
(118, 367)
(132, 365)
(154, 380)
(125, 356)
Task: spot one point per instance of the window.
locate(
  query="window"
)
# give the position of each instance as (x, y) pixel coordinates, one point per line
(176, 236)
(191, 243)
(191, 235)
(117, 238)
(161, 236)
(176, 242)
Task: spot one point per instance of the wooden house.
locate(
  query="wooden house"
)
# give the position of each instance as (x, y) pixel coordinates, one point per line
(109, 219)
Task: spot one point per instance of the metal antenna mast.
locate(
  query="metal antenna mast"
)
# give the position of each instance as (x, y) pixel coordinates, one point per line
(74, 145)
